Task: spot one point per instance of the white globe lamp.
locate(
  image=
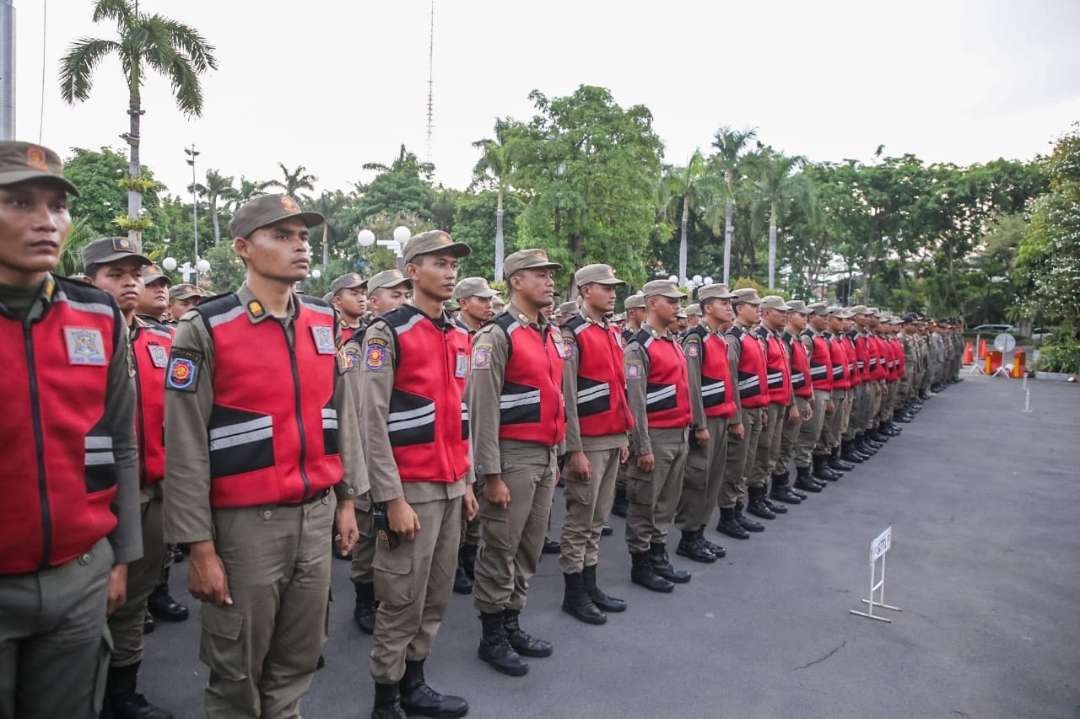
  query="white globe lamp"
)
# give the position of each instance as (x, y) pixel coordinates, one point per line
(365, 238)
(169, 263)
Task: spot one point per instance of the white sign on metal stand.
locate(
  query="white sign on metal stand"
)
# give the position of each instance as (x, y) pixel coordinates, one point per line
(878, 549)
(1005, 343)
(976, 368)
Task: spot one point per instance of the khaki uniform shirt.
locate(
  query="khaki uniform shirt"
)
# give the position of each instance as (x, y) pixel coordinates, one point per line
(574, 442)
(485, 385)
(188, 515)
(371, 388)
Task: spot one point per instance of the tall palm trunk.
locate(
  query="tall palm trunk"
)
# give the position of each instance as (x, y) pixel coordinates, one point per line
(500, 250)
(134, 196)
(325, 244)
(773, 213)
(214, 218)
(729, 237)
(682, 239)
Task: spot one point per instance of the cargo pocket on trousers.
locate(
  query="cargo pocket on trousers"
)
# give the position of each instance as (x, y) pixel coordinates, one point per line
(102, 674)
(222, 646)
(697, 469)
(393, 572)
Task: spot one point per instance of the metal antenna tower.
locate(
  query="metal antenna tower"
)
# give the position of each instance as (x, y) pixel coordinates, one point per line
(430, 82)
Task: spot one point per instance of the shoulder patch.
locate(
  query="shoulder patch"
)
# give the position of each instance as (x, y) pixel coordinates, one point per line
(481, 357)
(182, 374)
(635, 370)
(348, 357)
(376, 351)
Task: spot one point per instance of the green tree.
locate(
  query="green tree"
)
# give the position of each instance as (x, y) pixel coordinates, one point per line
(217, 190)
(730, 146)
(293, 180)
(494, 169)
(684, 187)
(247, 190)
(143, 41)
(402, 188)
(777, 185)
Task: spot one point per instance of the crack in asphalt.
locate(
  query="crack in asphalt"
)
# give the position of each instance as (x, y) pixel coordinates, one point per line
(822, 659)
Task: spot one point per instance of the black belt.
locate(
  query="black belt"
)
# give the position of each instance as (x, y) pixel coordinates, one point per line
(309, 500)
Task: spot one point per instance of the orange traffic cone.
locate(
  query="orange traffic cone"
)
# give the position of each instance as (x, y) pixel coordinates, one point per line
(982, 348)
(969, 353)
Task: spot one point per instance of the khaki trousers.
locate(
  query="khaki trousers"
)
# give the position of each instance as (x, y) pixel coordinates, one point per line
(740, 457)
(363, 554)
(790, 430)
(412, 583)
(654, 496)
(262, 650)
(857, 415)
(588, 502)
(704, 474)
(126, 623)
(810, 435)
(511, 538)
(768, 447)
(54, 645)
(832, 429)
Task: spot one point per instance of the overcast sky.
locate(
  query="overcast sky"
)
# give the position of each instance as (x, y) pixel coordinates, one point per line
(332, 84)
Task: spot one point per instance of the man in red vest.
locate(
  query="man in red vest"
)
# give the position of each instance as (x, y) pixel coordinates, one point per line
(261, 442)
(658, 385)
(115, 265)
(411, 384)
(597, 420)
(69, 521)
(714, 403)
(518, 421)
(778, 412)
(348, 295)
(810, 413)
(815, 447)
(635, 316)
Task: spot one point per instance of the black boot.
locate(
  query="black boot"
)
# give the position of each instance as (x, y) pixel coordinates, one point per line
(780, 490)
(603, 601)
(619, 506)
(663, 567)
(164, 607)
(387, 702)
(642, 573)
(718, 551)
(148, 623)
(834, 461)
(692, 547)
(745, 522)
(822, 471)
(524, 643)
(804, 481)
(467, 557)
(462, 582)
(495, 647)
(364, 611)
(757, 506)
(124, 701)
(577, 603)
(902, 415)
(417, 696)
(860, 445)
(551, 546)
(848, 453)
(729, 526)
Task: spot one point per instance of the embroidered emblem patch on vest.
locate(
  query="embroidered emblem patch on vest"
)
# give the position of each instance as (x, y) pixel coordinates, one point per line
(159, 356)
(183, 372)
(84, 346)
(375, 354)
(324, 339)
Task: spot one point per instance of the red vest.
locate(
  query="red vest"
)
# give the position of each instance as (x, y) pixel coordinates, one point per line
(821, 363)
(716, 396)
(150, 346)
(777, 367)
(862, 358)
(901, 360)
(753, 378)
(59, 472)
(801, 383)
(667, 387)
(273, 429)
(877, 358)
(602, 406)
(428, 423)
(531, 405)
(841, 372)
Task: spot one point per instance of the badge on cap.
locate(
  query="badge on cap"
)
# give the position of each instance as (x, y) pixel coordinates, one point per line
(375, 354)
(159, 356)
(324, 339)
(35, 158)
(84, 346)
(183, 372)
(121, 244)
(289, 204)
(461, 367)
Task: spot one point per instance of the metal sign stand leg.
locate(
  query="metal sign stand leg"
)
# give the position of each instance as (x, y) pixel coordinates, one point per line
(879, 587)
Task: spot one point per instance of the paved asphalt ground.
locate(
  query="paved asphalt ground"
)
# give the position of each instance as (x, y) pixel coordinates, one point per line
(985, 563)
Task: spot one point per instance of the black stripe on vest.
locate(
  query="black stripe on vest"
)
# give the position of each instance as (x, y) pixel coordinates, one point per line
(593, 397)
(519, 404)
(412, 419)
(239, 441)
(99, 459)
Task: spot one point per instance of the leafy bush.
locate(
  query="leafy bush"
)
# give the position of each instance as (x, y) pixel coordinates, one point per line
(1061, 353)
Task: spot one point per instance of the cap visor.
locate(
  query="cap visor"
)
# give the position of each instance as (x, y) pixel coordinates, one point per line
(117, 256)
(19, 176)
(456, 249)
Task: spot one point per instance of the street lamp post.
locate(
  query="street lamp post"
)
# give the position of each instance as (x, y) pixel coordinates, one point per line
(192, 153)
(366, 239)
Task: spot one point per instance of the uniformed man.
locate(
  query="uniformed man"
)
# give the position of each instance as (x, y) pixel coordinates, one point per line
(348, 295)
(815, 446)
(474, 298)
(836, 425)
(498, 305)
(253, 466)
(154, 298)
(565, 311)
(183, 298)
(657, 383)
(518, 421)
(714, 404)
(411, 381)
(780, 410)
(864, 388)
(799, 436)
(680, 324)
(746, 353)
(114, 265)
(597, 420)
(69, 522)
(388, 290)
(693, 316)
(635, 316)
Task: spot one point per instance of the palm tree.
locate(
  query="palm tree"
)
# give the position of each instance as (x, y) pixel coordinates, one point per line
(217, 187)
(329, 205)
(729, 146)
(143, 42)
(687, 184)
(776, 185)
(248, 190)
(494, 167)
(298, 179)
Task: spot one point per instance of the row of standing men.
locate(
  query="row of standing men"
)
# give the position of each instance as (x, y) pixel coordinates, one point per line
(426, 445)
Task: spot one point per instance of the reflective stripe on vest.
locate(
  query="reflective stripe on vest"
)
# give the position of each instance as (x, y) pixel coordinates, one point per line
(602, 406)
(531, 406)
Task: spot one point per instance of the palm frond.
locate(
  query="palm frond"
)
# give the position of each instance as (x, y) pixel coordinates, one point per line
(191, 43)
(120, 11)
(77, 67)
